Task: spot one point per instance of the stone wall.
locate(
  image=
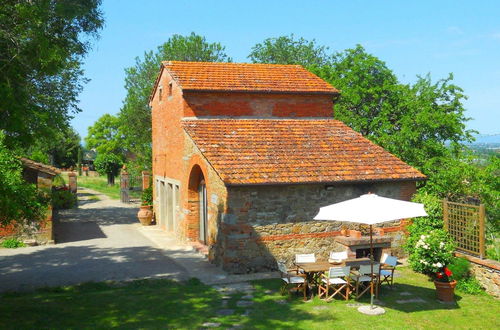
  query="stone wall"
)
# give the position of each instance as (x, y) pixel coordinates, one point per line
(487, 272)
(263, 224)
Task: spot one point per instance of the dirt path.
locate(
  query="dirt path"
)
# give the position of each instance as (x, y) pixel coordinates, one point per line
(100, 240)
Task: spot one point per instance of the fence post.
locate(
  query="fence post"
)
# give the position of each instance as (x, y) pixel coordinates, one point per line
(145, 179)
(124, 187)
(481, 231)
(72, 182)
(445, 213)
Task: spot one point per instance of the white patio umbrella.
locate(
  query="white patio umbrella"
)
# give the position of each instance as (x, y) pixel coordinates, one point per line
(371, 209)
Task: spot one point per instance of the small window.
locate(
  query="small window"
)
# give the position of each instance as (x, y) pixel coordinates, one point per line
(160, 92)
(170, 89)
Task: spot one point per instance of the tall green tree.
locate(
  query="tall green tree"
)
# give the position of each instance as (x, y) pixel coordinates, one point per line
(42, 45)
(105, 136)
(135, 114)
(290, 50)
(416, 122)
(61, 150)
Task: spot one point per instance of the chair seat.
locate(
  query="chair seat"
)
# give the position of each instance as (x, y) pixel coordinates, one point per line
(334, 281)
(293, 280)
(385, 272)
(363, 278)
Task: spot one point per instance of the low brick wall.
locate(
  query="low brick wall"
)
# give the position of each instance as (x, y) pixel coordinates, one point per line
(487, 272)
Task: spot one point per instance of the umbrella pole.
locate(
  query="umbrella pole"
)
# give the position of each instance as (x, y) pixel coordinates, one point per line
(371, 265)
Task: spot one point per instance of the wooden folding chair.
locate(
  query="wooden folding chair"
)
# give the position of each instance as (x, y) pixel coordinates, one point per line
(387, 270)
(337, 279)
(298, 282)
(363, 277)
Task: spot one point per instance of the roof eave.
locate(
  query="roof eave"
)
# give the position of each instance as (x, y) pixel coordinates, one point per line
(258, 91)
(340, 182)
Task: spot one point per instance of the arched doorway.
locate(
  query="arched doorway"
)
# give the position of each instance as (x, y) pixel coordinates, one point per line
(197, 227)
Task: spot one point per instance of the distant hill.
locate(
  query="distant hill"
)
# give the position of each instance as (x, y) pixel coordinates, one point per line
(487, 139)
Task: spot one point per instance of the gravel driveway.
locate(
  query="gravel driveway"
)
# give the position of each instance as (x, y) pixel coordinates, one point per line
(100, 240)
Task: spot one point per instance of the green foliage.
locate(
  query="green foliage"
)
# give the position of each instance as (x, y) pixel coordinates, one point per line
(460, 268)
(43, 43)
(105, 136)
(58, 181)
(63, 199)
(59, 149)
(288, 50)
(432, 252)
(108, 164)
(147, 196)
(135, 115)
(469, 285)
(12, 243)
(19, 201)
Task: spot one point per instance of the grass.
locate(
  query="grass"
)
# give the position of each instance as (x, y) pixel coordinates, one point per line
(100, 184)
(167, 304)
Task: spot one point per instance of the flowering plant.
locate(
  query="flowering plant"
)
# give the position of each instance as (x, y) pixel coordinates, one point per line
(444, 275)
(432, 253)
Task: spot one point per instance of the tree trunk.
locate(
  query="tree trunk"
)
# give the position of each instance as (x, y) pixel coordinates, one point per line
(111, 180)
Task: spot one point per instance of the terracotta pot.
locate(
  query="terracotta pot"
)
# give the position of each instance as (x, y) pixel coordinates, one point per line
(145, 215)
(445, 291)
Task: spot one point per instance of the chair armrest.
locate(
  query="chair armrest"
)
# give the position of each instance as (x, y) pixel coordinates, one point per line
(387, 267)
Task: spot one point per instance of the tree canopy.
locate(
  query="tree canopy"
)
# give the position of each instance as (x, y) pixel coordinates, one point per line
(105, 136)
(135, 114)
(42, 44)
(289, 50)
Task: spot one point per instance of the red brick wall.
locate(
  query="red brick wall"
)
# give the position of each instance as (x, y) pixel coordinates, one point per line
(199, 104)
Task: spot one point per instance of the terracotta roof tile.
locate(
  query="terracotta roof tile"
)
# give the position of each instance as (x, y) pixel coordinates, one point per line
(51, 170)
(209, 76)
(280, 151)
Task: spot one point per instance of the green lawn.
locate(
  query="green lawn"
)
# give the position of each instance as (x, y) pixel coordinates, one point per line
(100, 184)
(166, 304)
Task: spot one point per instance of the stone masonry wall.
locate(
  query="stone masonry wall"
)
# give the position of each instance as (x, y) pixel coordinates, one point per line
(263, 224)
(487, 272)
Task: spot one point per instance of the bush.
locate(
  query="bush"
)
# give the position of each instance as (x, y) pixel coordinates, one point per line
(63, 199)
(12, 243)
(147, 196)
(58, 181)
(109, 165)
(469, 285)
(460, 268)
(432, 252)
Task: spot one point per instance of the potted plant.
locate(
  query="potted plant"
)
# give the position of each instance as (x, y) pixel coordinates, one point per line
(145, 213)
(433, 252)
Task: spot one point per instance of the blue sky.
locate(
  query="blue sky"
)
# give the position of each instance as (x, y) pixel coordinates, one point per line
(413, 38)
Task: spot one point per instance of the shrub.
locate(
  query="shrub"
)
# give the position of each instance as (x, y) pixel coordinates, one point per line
(432, 252)
(12, 243)
(147, 196)
(63, 199)
(460, 268)
(58, 181)
(469, 285)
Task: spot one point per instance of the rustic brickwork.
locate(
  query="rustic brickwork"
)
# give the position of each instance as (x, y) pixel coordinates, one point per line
(268, 223)
(252, 226)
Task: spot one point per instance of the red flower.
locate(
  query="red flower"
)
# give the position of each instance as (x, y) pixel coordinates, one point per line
(439, 275)
(447, 272)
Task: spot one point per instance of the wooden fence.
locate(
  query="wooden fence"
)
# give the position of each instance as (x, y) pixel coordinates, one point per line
(465, 223)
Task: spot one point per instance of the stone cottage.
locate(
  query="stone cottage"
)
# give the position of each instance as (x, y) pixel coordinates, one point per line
(244, 155)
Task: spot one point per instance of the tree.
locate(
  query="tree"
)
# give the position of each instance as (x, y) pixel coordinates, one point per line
(60, 151)
(288, 50)
(135, 114)
(105, 136)
(20, 202)
(109, 165)
(414, 122)
(42, 44)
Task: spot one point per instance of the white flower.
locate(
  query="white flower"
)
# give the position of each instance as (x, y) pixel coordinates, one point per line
(422, 237)
(441, 245)
(439, 265)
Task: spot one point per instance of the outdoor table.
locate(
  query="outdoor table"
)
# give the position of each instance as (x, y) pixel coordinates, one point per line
(311, 269)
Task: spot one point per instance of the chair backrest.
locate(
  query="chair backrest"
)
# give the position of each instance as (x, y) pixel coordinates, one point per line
(305, 258)
(391, 261)
(282, 267)
(366, 269)
(334, 272)
(384, 256)
(338, 255)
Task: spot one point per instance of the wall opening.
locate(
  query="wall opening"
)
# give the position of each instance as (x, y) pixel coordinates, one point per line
(197, 220)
